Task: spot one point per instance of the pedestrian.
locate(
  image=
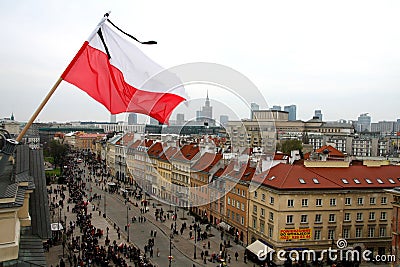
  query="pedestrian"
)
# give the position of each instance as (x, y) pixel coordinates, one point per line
(202, 254)
(151, 233)
(208, 244)
(62, 263)
(119, 235)
(158, 252)
(229, 258)
(236, 255)
(155, 233)
(245, 258)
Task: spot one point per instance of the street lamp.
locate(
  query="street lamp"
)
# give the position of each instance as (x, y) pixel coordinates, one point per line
(170, 249)
(195, 240)
(127, 220)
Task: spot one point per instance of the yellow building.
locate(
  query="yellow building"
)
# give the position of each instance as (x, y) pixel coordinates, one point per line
(301, 207)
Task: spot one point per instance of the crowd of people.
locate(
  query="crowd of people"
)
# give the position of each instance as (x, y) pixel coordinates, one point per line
(84, 248)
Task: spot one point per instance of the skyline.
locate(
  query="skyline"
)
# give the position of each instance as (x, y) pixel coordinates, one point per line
(339, 57)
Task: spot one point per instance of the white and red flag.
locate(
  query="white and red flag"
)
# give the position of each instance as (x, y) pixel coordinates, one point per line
(114, 72)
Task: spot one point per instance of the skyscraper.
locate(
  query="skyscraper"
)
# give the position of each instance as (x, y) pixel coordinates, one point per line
(206, 111)
(279, 108)
(253, 106)
(364, 123)
(180, 119)
(223, 119)
(113, 118)
(132, 119)
(292, 112)
(318, 114)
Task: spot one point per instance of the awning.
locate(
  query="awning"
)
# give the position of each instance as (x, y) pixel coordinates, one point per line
(258, 246)
(56, 227)
(224, 226)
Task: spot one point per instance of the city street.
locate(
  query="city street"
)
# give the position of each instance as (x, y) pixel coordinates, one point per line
(183, 247)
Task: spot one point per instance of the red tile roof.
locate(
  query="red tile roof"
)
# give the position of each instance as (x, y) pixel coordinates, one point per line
(126, 139)
(155, 150)
(187, 152)
(92, 135)
(206, 162)
(297, 177)
(332, 152)
(167, 154)
(135, 144)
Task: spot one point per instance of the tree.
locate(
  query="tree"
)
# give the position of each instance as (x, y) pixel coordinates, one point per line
(58, 152)
(289, 145)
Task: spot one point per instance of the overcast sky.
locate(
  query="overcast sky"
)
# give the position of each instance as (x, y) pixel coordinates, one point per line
(342, 57)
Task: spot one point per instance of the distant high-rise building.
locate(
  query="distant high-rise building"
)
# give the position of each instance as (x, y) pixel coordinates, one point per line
(206, 111)
(318, 114)
(153, 121)
(223, 119)
(180, 119)
(113, 118)
(292, 112)
(205, 114)
(364, 123)
(198, 115)
(132, 119)
(278, 108)
(253, 106)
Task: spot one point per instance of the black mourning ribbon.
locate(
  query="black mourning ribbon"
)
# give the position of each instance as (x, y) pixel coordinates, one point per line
(127, 34)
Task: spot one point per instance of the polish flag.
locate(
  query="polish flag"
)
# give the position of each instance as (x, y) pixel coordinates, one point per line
(117, 74)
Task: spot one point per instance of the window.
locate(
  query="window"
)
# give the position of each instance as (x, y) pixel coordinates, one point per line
(317, 234)
(228, 213)
(301, 180)
(318, 218)
(262, 226)
(331, 234)
(358, 232)
(332, 201)
(372, 200)
(371, 231)
(383, 200)
(383, 216)
(382, 231)
(254, 223)
(359, 216)
(360, 201)
(379, 180)
(347, 201)
(255, 209)
(372, 216)
(347, 217)
(270, 231)
(243, 194)
(315, 180)
(229, 200)
(368, 181)
(271, 216)
(356, 181)
(242, 221)
(344, 180)
(242, 207)
(238, 205)
(262, 212)
(255, 194)
(346, 233)
(289, 219)
(304, 202)
(331, 217)
(318, 202)
(303, 218)
(290, 203)
(271, 200)
(263, 197)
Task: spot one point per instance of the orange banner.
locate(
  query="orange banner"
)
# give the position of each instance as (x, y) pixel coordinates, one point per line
(287, 234)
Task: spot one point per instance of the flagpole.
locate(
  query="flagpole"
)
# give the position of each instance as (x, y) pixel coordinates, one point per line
(38, 110)
(53, 89)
